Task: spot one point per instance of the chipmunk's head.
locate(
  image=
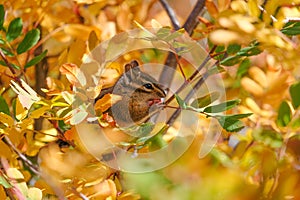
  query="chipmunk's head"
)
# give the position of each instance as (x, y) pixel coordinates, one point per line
(140, 93)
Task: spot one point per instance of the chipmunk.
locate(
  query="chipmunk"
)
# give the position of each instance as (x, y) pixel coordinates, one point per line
(140, 94)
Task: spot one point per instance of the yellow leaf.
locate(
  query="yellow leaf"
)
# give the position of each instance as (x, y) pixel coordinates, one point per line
(253, 8)
(39, 112)
(2, 193)
(68, 97)
(21, 113)
(5, 150)
(26, 94)
(14, 173)
(259, 76)
(78, 115)
(212, 8)
(106, 102)
(35, 193)
(73, 73)
(76, 52)
(6, 120)
(223, 4)
(80, 31)
(252, 87)
(26, 123)
(224, 37)
(245, 25)
(93, 40)
(155, 24)
(48, 135)
(109, 77)
(239, 6)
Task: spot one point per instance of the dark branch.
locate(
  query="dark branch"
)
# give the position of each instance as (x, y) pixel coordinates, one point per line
(189, 26)
(31, 166)
(171, 14)
(7, 63)
(187, 98)
(192, 21)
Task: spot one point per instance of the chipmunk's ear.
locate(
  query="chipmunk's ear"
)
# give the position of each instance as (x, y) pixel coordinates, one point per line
(131, 65)
(132, 71)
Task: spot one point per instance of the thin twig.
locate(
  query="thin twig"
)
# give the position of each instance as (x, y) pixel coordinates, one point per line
(79, 194)
(15, 190)
(7, 63)
(171, 14)
(196, 72)
(187, 98)
(32, 166)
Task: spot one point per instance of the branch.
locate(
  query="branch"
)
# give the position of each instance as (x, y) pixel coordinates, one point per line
(31, 166)
(192, 20)
(187, 98)
(7, 63)
(14, 191)
(189, 26)
(171, 14)
(205, 61)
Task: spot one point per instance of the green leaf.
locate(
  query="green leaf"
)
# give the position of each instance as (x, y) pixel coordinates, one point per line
(231, 60)
(2, 15)
(268, 137)
(295, 94)
(180, 102)
(14, 29)
(215, 70)
(7, 52)
(63, 126)
(295, 123)
(30, 39)
(4, 182)
(36, 59)
(221, 157)
(249, 51)
(219, 49)
(13, 65)
(230, 123)
(243, 68)
(162, 33)
(291, 28)
(205, 100)
(3, 106)
(284, 114)
(222, 106)
(233, 48)
(175, 34)
(2, 41)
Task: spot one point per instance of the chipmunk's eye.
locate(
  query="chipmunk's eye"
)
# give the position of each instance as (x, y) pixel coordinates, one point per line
(148, 86)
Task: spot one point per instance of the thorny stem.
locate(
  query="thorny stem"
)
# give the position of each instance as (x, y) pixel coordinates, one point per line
(32, 166)
(171, 14)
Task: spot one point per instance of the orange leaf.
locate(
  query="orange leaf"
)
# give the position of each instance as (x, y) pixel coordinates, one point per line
(73, 73)
(106, 102)
(212, 8)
